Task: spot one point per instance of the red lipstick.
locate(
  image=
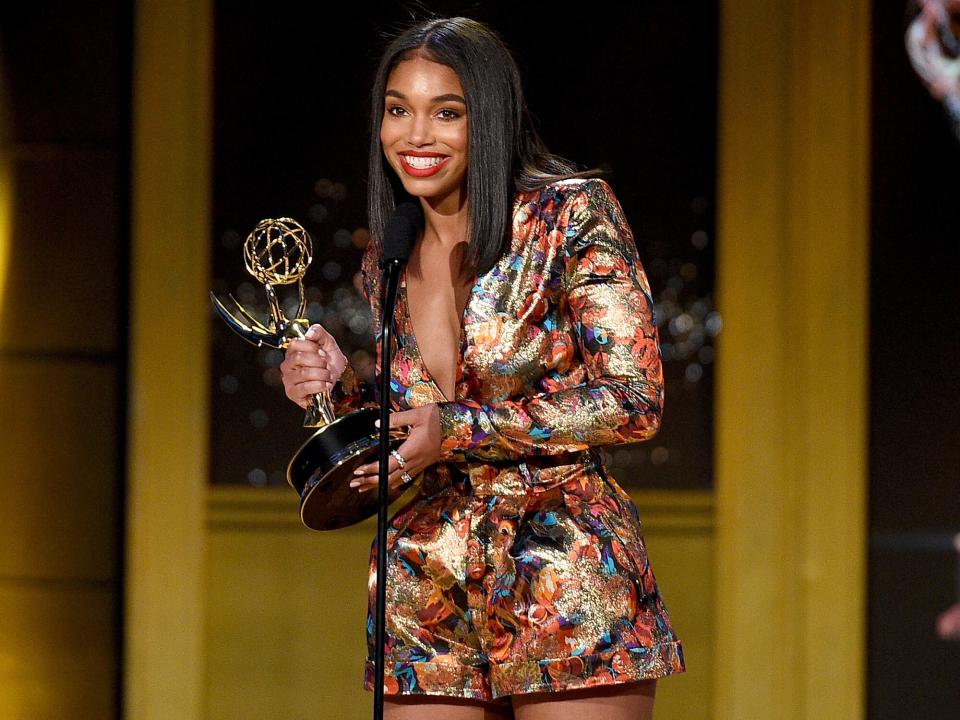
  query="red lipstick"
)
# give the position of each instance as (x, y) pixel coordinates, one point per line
(422, 171)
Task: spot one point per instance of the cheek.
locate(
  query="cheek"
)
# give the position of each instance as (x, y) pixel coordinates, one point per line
(456, 140)
(463, 138)
(389, 132)
(387, 138)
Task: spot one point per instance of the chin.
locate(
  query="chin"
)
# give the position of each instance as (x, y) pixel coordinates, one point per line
(425, 190)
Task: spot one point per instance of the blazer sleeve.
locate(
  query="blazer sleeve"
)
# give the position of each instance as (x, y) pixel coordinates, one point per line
(608, 300)
(350, 392)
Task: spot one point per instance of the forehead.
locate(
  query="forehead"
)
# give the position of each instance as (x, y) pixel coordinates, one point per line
(418, 76)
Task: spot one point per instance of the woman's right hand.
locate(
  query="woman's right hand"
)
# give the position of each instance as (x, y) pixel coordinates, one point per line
(311, 365)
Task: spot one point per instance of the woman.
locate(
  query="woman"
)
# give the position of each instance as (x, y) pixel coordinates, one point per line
(518, 582)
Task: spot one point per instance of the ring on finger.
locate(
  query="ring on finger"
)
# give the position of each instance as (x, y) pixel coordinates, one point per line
(400, 460)
(405, 476)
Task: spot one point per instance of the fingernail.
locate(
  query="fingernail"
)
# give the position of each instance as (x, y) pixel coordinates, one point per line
(376, 423)
(311, 332)
(358, 471)
(354, 483)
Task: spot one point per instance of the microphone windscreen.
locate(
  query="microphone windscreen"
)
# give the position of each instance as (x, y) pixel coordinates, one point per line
(413, 211)
(400, 233)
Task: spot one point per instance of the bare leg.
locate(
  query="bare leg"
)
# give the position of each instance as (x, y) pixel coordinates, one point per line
(422, 707)
(629, 701)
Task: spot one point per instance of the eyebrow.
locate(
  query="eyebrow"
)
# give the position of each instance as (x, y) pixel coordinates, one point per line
(449, 97)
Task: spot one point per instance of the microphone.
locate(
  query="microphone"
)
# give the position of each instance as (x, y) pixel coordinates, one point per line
(411, 210)
(398, 238)
(401, 232)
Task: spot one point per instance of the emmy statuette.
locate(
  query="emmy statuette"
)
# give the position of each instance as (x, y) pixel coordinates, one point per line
(278, 252)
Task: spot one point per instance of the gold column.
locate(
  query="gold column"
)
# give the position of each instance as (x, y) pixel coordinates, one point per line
(792, 373)
(168, 414)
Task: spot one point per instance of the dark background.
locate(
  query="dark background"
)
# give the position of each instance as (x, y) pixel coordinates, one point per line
(630, 89)
(915, 387)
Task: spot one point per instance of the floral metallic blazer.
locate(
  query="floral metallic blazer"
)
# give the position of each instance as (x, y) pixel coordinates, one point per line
(558, 348)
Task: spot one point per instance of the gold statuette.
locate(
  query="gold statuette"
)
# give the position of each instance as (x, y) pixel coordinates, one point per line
(278, 252)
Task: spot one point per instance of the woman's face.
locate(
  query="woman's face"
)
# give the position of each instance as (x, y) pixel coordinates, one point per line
(424, 132)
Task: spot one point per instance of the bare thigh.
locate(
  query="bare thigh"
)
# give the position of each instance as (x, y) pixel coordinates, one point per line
(421, 707)
(629, 701)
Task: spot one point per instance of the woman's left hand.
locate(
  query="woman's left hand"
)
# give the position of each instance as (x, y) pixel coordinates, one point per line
(420, 450)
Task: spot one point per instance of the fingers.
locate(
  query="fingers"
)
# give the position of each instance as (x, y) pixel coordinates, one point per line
(419, 450)
(402, 419)
(373, 469)
(302, 393)
(308, 374)
(369, 483)
(367, 477)
(305, 371)
(328, 344)
(318, 334)
(302, 381)
(304, 353)
(316, 348)
(296, 374)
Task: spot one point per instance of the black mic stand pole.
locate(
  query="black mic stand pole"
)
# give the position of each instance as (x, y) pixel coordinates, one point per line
(388, 304)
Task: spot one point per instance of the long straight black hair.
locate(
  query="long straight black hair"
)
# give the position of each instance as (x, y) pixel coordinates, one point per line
(505, 154)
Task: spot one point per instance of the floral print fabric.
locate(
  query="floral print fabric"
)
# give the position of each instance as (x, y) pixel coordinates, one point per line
(520, 565)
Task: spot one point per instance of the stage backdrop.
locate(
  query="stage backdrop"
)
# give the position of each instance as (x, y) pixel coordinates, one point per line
(626, 88)
(292, 88)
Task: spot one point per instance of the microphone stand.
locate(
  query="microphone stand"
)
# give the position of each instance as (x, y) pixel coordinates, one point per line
(391, 270)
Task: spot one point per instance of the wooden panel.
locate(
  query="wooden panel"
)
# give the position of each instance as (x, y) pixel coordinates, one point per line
(286, 606)
(59, 469)
(678, 529)
(168, 419)
(57, 644)
(61, 287)
(791, 370)
(285, 612)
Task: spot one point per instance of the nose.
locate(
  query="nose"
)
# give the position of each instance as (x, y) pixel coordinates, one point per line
(421, 132)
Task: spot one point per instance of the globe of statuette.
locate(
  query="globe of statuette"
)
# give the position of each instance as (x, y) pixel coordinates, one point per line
(278, 251)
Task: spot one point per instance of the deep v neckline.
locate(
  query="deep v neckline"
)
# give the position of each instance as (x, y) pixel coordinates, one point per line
(411, 333)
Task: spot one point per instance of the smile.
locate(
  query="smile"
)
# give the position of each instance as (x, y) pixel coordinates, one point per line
(422, 166)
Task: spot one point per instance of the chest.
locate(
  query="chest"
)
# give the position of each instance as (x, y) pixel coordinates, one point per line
(503, 335)
(435, 297)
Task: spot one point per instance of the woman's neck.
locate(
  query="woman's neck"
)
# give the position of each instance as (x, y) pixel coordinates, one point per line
(444, 224)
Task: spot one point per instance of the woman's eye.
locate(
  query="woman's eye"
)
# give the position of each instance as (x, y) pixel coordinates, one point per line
(396, 110)
(448, 114)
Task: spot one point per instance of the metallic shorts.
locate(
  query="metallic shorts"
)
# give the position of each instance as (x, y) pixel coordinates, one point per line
(511, 581)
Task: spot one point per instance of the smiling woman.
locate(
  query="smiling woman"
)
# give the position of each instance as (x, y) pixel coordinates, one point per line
(424, 132)
(648, 125)
(517, 578)
(424, 135)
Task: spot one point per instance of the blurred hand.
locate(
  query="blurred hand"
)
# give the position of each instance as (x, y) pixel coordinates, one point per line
(420, 450)
(311, 365)
(948, 623)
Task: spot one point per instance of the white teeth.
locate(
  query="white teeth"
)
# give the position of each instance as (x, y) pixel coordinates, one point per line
(421, 163)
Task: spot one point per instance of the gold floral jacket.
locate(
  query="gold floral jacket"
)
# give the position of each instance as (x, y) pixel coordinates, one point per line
(558, 348)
